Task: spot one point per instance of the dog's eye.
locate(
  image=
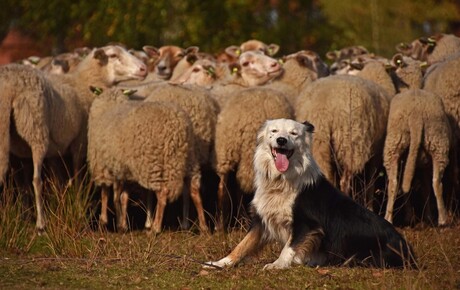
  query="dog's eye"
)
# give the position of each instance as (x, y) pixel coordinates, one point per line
(294, 133)
(274, 131)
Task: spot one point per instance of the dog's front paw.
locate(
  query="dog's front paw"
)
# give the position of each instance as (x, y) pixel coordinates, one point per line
(222, 263)
(276, 265)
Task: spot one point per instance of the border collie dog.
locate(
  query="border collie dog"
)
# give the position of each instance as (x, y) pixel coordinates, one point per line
(296, 206)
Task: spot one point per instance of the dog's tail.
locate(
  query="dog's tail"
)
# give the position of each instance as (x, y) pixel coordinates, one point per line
(416, 133)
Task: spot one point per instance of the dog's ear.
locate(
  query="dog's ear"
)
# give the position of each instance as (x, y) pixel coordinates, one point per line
(309, 127)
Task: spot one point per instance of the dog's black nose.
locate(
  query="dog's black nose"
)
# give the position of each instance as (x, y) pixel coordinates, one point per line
(281, 141)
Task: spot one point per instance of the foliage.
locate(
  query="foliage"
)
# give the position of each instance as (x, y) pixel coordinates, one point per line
(380, 25)
(213, 25)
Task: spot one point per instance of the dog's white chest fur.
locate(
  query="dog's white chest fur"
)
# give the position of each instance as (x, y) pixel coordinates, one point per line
(275, 209)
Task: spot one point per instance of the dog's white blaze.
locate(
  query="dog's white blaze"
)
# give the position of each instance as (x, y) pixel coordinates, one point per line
(275, 209)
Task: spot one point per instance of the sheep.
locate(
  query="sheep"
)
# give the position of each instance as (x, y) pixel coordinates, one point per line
(165, 59)
(49, 113)
(417, 122)
(433, 49)
(443, 79)
(254, 69)
(349, 114)
(188, 60)
(200, 107)
(150, 143)
(236, 131)
(341, 57)
(299, 69)
(252, 45)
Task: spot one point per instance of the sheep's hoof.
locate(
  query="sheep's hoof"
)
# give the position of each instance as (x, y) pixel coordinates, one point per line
(122, 229)
(41, 231)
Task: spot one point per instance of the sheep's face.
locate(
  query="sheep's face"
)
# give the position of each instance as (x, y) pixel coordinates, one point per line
(256, 45)
(257, 68)
(120, 64)
(167, 60)
(201, 73)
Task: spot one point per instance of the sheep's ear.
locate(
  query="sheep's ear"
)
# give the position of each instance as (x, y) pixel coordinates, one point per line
(233, 50)
(398, 60)
(273, 49)
(192, 49)
(151, 51)
(332, 55)
(305, 61)
(401, 47)
(101, 56)
(309, 127)
(95, 90)
(191, 58)
(235, 68)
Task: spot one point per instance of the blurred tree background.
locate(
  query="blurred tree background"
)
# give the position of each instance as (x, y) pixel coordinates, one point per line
(319, 25)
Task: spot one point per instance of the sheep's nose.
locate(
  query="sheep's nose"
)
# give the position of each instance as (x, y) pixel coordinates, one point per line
(281, 141)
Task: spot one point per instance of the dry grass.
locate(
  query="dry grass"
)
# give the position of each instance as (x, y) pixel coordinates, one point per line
(72, 255)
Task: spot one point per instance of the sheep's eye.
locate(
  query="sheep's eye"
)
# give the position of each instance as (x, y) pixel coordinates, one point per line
(112, 55)
(246, 63)
(196, 70)
(180, 55)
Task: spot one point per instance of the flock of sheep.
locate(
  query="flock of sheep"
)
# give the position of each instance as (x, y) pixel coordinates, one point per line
(163, 117)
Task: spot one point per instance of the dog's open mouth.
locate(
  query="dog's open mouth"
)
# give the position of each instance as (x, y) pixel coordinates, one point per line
(281, 157)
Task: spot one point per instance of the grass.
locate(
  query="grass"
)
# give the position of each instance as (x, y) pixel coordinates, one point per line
(72, 255)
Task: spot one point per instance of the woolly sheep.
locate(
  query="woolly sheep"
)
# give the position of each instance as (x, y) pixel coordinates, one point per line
(164, 59)
(236, 132)
(433, 49)
(201, 109)
(299, 69)
(349, 114)
(417, 122)
(252, 45)
(341, 57)
(254, 69)
(150, 143)
(50, 113)
(443, 79)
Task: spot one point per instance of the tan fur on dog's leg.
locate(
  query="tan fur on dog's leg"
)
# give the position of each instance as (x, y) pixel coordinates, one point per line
(250, 244)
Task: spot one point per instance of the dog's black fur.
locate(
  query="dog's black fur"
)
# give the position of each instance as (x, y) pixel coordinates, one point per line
(352, 233)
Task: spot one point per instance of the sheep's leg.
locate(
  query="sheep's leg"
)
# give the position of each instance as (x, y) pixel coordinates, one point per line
(196, 197)
(103, 219)
(345, 181)
(162, 198)
(38, 158)
(186, 205)
(124, 198)
(392, 189)
(438, 189)
(220, 201)
(149, 206)
(117, 203)
(370, 176)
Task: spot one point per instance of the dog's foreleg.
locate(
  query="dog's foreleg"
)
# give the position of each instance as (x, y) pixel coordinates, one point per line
(300, 249)
(285, 259)
(250, 244)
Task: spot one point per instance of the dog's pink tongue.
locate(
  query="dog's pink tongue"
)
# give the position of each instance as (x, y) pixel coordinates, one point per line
(281, 162)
